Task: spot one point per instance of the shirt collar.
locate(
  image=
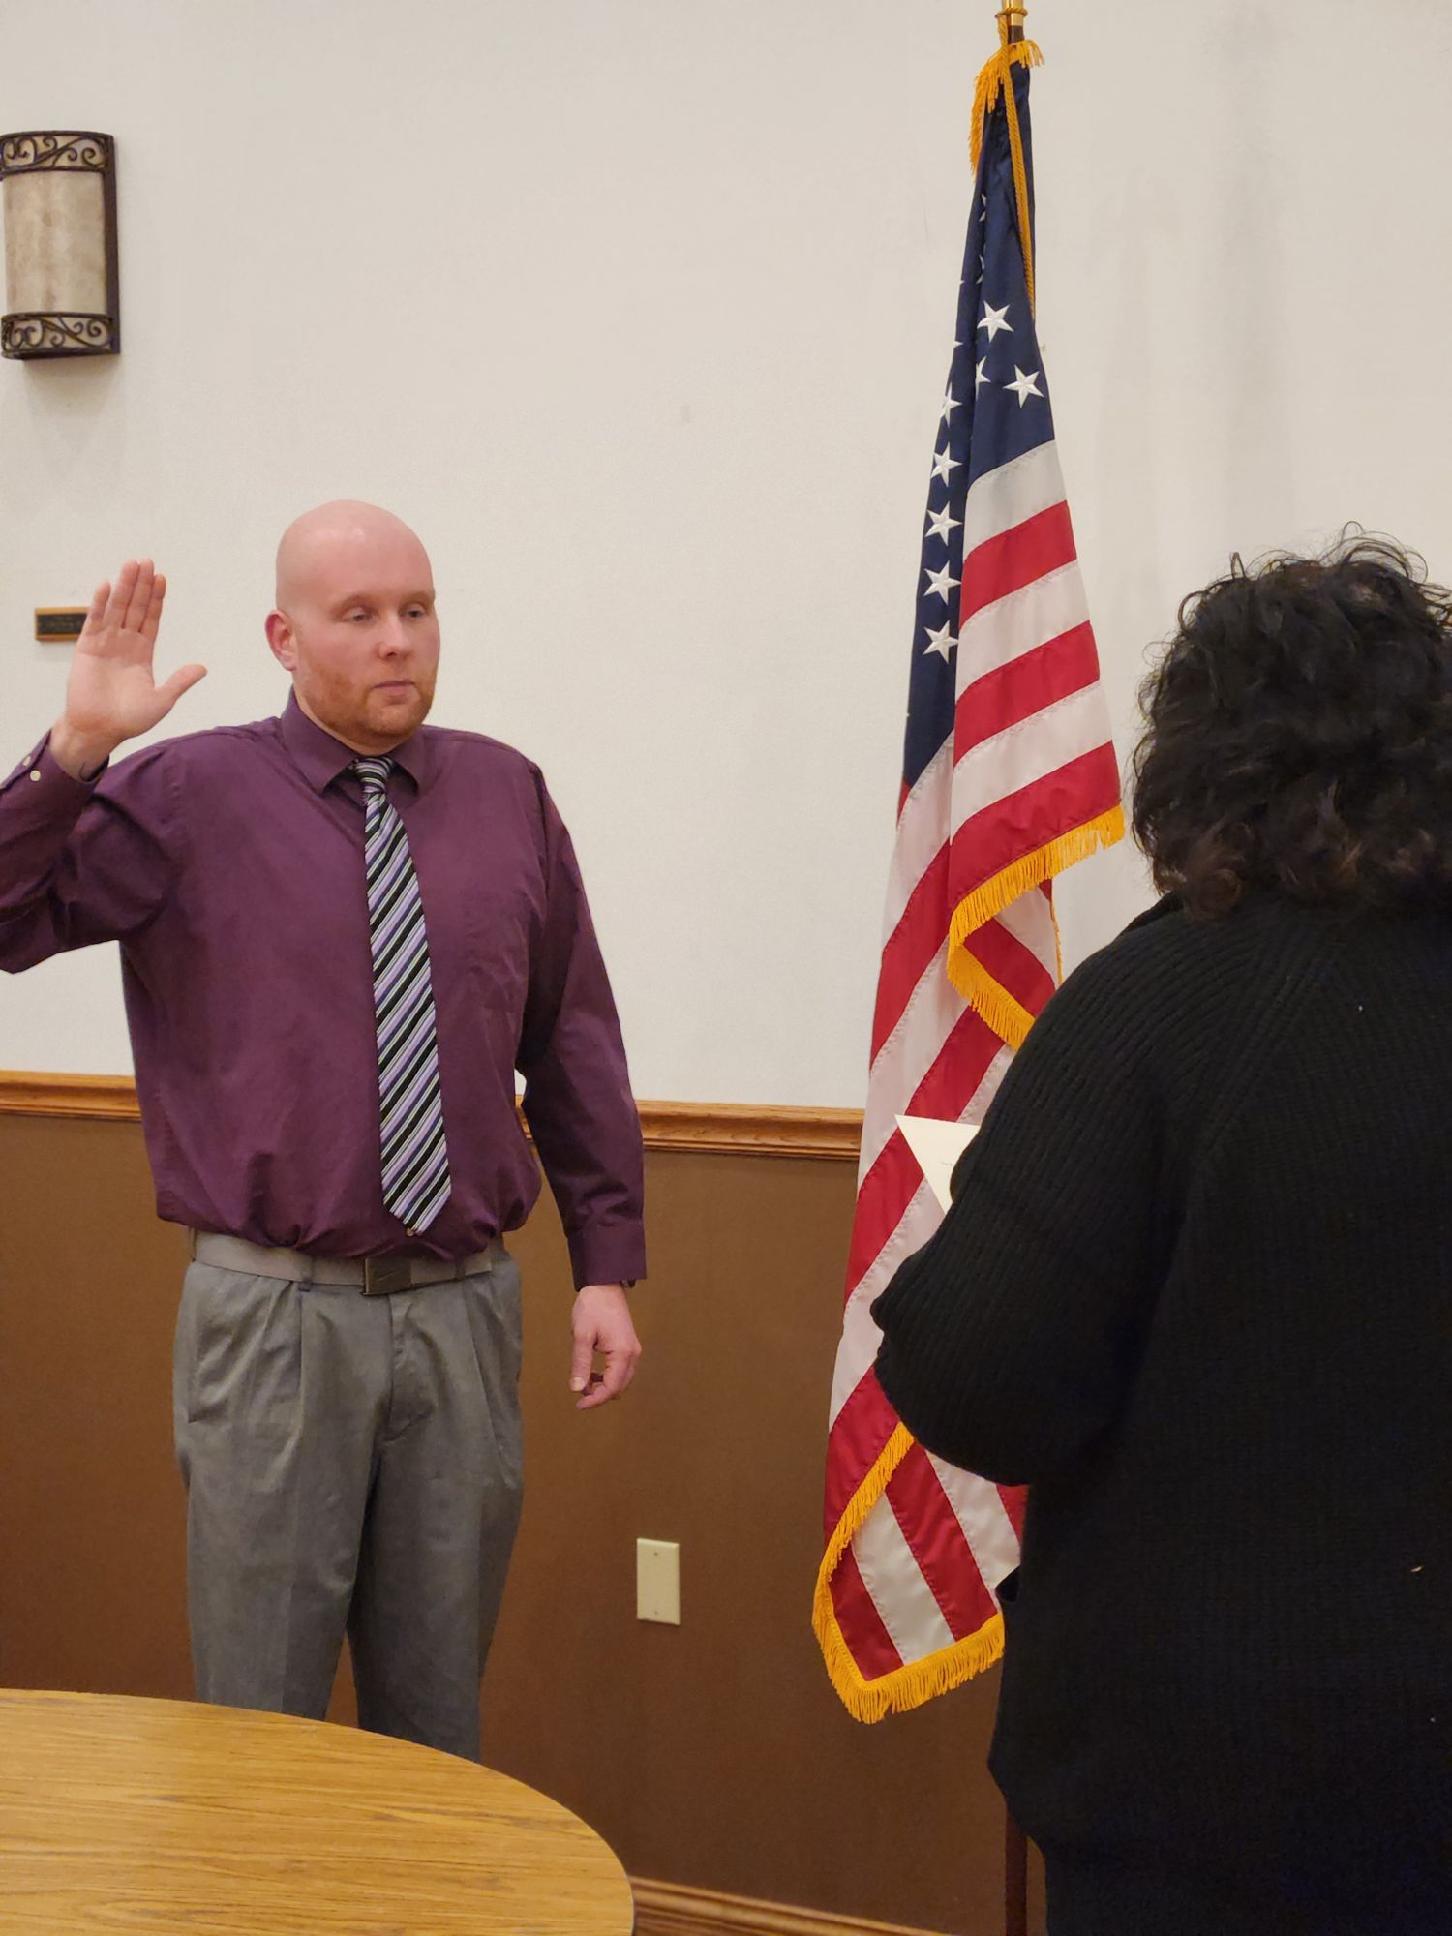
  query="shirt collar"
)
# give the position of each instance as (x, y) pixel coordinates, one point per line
(321, 758)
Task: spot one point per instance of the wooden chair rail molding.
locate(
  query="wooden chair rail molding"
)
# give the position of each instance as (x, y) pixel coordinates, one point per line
(667, 1909)
(708, 1128)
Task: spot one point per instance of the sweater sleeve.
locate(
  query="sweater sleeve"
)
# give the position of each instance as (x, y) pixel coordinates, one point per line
(1010, 1338)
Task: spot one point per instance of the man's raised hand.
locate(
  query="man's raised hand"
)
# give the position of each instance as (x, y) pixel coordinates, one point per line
(113, 694)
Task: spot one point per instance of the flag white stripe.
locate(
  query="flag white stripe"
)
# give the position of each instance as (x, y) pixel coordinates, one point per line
(929, 1018)
(1023, 621)
(904, 1600)
(1028, 751)
(906, 1056)
(919, 835)
(986, 1526)
(1030, 920)
(1012, 494)
(1020, 622)
(858, 1345)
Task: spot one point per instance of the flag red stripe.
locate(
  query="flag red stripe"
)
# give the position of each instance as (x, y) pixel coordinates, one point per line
(859, 1432)
(919, 935)
(1026, 685)
(861, 1623)
(1014, 1498)
(1012, 966)
(887, 1190)
(959, 1067)
(1014, 558)
(1000, 699)
(1021, 823)
(894, 1178)
(930, 1527)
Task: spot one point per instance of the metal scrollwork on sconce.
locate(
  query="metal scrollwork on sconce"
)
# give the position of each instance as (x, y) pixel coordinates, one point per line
(61, 271)
(55, 335)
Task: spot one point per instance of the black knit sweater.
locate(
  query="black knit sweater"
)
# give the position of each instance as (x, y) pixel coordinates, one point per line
(1196, 1290)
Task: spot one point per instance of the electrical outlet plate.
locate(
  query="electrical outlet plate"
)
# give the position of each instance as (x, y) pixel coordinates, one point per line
(658, 1581)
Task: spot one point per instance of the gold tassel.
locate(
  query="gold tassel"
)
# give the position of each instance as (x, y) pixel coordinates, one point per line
(997, 72)
(995, 82)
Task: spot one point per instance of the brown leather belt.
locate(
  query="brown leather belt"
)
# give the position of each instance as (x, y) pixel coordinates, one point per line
(373, 1276)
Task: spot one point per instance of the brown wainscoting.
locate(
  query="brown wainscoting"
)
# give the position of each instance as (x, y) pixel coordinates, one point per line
(747, 1129)
(91, 1099)
(665, 1909)
(713, 1756)
(716, 1128)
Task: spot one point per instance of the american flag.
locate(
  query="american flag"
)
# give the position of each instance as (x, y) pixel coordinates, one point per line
(1009, 775)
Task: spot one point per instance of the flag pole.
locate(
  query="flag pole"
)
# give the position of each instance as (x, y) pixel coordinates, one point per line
(1011, 16)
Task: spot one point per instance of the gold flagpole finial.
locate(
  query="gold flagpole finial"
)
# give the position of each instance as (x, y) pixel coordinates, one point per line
(1011, 16)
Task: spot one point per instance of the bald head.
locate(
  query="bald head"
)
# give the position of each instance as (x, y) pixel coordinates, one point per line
(355, 623)
(345, 535)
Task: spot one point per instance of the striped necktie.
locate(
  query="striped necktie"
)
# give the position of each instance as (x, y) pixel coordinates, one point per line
(415, 1159)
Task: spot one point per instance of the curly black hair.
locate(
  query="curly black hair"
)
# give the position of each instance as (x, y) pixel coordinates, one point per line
(1299, 736)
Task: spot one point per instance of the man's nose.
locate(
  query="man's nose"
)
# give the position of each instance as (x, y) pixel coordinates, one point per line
(393, 637)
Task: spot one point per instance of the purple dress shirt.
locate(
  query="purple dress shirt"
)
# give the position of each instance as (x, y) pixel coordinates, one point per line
(229, 866)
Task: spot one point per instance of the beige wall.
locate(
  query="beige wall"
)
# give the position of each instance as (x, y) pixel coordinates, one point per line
(641, 309)
(715, 1754)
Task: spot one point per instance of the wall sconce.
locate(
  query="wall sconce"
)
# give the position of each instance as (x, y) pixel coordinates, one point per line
(62, 294)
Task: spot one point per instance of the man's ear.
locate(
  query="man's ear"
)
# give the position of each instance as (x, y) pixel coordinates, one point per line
(278, 627)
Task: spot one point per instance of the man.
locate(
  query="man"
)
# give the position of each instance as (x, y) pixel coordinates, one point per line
(342, 931)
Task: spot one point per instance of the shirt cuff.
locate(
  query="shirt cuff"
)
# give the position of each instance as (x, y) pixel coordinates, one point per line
(43, 792)
(46, 781)
(607, 1257)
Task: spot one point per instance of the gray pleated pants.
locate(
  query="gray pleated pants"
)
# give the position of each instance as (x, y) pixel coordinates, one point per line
(353, 1465)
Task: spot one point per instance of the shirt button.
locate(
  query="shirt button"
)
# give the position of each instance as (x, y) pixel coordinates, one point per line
(35, 773)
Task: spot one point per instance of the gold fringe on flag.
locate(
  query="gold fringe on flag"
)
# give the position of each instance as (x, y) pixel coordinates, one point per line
(968, 975)
(918, 1681)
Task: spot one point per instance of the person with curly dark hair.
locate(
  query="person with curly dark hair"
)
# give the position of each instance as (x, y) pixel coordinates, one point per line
(1196, 1290)
(1300, 738)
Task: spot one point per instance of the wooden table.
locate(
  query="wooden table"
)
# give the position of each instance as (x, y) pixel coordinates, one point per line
(122, 1814)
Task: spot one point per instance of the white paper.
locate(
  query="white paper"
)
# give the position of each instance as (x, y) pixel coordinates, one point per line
(937, 1146)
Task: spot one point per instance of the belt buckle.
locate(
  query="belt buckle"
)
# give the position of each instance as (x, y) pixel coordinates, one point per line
(382, 1276)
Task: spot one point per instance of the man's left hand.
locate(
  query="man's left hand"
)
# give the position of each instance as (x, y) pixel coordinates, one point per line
(602, 1323)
